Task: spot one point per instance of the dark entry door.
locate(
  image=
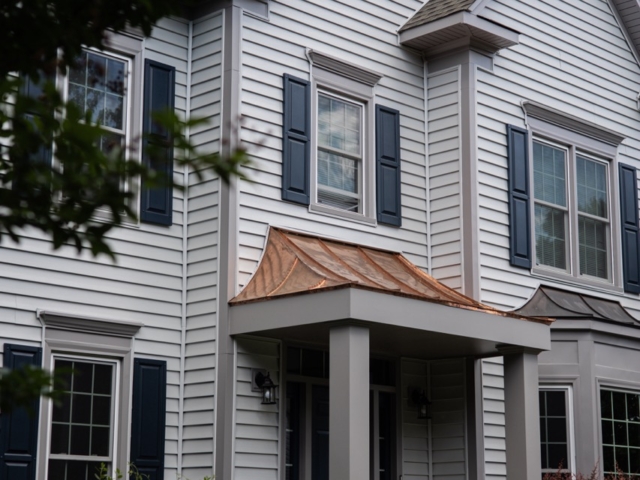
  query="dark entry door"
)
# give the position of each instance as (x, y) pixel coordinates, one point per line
(320, 436)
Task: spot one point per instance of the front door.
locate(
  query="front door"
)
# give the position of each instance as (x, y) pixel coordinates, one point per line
(320, 433)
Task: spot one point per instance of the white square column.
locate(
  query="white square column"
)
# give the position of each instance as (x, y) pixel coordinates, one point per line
(349, 403)
(522, 413)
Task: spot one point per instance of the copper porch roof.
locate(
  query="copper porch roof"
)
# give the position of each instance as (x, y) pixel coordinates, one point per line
(297, 263)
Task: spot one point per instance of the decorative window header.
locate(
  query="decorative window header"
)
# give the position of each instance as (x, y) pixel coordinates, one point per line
(570, 122)
(336, 65)
(85, 324)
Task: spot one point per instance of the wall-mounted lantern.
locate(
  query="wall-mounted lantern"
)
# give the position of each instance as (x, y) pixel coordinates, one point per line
(261, 382)
(419, 399)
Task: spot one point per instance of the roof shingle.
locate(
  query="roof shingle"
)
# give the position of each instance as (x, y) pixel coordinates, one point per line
(435, 9)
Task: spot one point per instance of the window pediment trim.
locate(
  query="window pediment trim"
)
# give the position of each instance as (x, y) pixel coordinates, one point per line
(570, 122)
(346, 69)
(82, 323)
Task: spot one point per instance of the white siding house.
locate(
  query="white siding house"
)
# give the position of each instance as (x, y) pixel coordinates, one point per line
(386, 262)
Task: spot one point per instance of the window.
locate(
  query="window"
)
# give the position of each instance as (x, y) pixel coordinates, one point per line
(341, 153)
(555, 429)
(343, 159)
(92, 424)
(307, 416)
(571, 193)
(620, 415)
(99, 83)
(82, 432)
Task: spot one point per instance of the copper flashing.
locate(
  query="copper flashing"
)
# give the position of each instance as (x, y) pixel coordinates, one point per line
(297, 263)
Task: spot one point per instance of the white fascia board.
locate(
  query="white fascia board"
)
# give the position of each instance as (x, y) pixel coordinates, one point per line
(460, 18)
(385, 309)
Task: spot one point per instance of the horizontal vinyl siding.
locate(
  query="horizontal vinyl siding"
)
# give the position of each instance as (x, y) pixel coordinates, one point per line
(362, 33)
(202, 253)
(415, 432)
(257, 426)
(444, 177)
(144, 285)
(448, 431)
(573, 57)
(495, 461)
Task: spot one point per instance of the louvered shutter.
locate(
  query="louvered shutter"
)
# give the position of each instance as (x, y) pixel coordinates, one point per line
(148, 417)
(389, 209)
(296, 140)
(629, 227)
(519, 213)
(19, 428)
(156, 205)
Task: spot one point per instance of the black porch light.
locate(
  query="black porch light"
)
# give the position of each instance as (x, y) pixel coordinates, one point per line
(419, 398)
(266, 385)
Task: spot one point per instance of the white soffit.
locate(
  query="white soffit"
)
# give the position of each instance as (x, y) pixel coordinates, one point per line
(459, 28)
(628, 12)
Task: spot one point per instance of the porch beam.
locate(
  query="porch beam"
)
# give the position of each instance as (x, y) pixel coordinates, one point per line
(522, 414)
(349, 403)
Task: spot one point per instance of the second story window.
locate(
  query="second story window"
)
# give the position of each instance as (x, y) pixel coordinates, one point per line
(571, 211)
(340, 148)
(97, 83)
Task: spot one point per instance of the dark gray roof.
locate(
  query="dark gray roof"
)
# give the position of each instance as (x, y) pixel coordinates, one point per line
(435, 9)
(561, 304)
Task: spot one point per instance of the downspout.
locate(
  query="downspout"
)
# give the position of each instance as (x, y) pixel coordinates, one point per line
(185, 231)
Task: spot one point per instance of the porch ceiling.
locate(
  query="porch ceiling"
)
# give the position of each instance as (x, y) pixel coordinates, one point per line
(304, 285)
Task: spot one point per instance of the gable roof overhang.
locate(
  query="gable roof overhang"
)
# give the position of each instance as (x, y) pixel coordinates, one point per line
(628, 13)
(305, 285)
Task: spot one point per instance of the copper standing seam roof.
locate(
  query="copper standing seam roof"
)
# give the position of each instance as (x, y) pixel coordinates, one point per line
(435, 9)
(297, 263)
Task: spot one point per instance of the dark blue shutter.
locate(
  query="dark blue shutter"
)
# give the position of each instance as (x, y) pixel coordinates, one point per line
(630, 230)
(19, 428)
(148, 417)
(388, 166)
(156, 205)
(519, 215)
(296, 140)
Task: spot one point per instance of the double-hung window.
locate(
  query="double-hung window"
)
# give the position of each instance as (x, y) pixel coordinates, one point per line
(340, 152)
(572, 211)
(98, 83)
(343, 167)
(82, 427)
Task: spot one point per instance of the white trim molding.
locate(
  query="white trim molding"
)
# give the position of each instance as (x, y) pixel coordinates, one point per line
(346, 69)
(81, 323)
(571, 122)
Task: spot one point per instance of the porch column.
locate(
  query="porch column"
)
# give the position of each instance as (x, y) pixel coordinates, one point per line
(349, 403)
(522, 414)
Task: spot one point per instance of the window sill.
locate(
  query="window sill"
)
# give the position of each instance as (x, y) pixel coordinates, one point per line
(336, 213)
(581, 282)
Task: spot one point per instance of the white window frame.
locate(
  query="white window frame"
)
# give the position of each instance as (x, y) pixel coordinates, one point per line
(577, 144)
(612, 386)
(97, 340)
(112, 458)
(571, 441)
(352, 84)
(125, 47)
